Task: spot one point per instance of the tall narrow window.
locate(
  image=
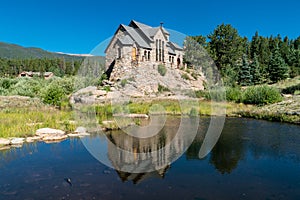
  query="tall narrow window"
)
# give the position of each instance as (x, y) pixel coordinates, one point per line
(119, 53)
(145, 55)
(149, 55)
(163, 51)
(159, 50)
(156, 50)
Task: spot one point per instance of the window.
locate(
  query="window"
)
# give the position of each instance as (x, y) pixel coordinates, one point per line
(145, 55)
(156, 50)
(119, 53)
(148, 55)
(159, 52)
(163, 51)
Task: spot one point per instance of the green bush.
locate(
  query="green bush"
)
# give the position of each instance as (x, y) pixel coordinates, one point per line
(6, 83)
(162, 88)
(194, 75)
(193, 112)
(233, 94)
(261, 95)
(27, 87)
(162, 70)
(291, 89)
(185, 76)
(215, 94)
(53, 94)
(123, 82)
(3, 91)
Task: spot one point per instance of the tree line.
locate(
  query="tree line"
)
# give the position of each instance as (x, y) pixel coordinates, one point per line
(249, 62)
(59, 66)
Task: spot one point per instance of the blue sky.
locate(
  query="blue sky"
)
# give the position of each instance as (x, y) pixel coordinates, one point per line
(76, 26)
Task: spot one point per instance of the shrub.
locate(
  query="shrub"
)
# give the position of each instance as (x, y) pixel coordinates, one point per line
(291, 89)
(6, 83)
(107, 88)
(194, 75)
(233, 94)
(261, 95)
(185, 76)
(215, 94)
(193, 112)
(162, 70)
(123, 82)
(3, 91)
(162, 88)
(27, 87)
(102, 78)
(53, 94)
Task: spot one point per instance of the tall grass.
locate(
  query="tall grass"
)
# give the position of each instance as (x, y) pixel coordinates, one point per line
(21, 122)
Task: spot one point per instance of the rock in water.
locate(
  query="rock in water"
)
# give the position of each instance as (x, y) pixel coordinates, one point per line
(49, 134)
(17, 141)
(68, 180)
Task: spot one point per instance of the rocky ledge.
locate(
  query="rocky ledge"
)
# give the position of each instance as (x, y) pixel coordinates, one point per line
(47, 135)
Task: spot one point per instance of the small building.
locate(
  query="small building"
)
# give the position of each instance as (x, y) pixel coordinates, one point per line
(139, 43)
(46, 75)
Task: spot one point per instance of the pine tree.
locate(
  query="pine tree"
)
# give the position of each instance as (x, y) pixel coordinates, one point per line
(278, 70)
(254, 45)
(255, 71)
(245, 73)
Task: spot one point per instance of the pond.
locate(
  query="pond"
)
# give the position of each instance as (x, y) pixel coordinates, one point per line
(252, 160)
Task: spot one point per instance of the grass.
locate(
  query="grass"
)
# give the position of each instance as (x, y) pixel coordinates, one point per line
(22, 122)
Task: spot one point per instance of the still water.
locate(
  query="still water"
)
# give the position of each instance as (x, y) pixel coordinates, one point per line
(252, 160)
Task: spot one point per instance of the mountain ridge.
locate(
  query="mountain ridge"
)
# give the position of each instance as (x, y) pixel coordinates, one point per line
(15, 51)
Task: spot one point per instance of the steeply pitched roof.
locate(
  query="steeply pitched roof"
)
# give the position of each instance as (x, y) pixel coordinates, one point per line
(142, 35)
(175, 45)
(136, 36)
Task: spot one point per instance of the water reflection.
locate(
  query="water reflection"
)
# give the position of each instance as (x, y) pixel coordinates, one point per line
(252, 160)
(150, 154)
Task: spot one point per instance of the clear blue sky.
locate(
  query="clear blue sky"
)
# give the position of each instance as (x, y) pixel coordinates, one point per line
(77, 26)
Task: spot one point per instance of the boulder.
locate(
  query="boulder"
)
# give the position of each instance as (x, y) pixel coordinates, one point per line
(4, 141)
(80, 129)
(33, 139)
(54, 138)
(49, 131)
(17, 141)
(79, 132)
(49, 134)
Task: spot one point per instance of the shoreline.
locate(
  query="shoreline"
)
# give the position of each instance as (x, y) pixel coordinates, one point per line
(287, 111)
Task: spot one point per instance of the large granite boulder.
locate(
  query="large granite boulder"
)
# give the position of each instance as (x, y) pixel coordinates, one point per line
(49, 134)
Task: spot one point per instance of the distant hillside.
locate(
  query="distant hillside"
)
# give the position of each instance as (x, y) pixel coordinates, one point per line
(13, 51)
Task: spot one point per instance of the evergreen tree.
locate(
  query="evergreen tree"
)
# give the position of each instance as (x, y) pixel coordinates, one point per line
(226, 46)
(245, 73)
(254, 45)
(255, 71)
(278, 70)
